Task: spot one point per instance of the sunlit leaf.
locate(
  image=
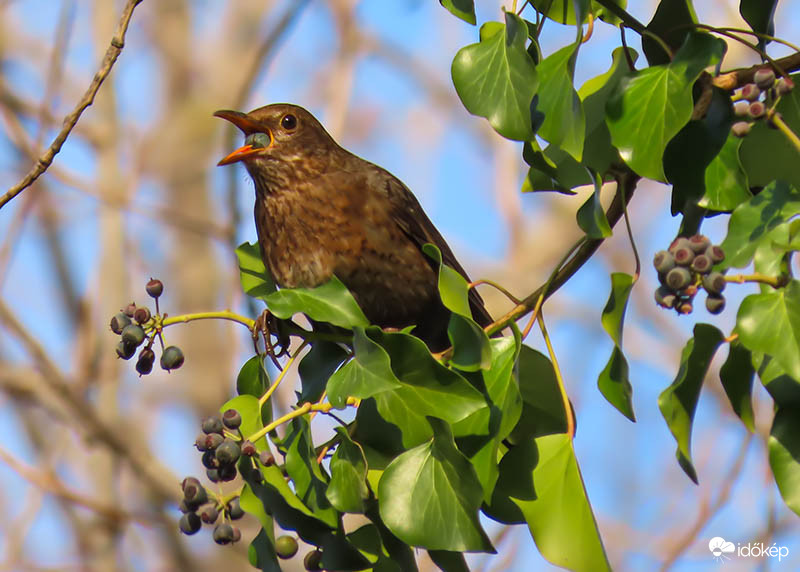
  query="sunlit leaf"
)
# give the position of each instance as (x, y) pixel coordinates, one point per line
(255, 279)
(737, 375)
(347, 490)
(464, 9)
(613, 381)
(784, 454)
(564, 123)
(330, 302)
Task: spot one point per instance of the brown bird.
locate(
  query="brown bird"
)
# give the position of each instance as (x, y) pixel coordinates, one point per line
(322, 211)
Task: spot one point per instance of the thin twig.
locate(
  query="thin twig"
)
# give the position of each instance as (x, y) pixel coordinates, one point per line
(112, 53)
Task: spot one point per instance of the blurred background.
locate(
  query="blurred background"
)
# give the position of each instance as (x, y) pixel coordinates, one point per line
(91, 456)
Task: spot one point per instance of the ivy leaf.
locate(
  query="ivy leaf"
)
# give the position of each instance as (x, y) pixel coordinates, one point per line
(752, 222)
(672, 22)
(678, 402)
(437, 476)
(765, 153)
(770, 323)
(564, 123)
(726, 185)
(759, 15)
(252, 379)
(592, 217)
(563, 11)
(543, 407)
(613, 382)
(784, 454)
(654, 105)
(736, 375)
(255, 279)
(560, 518)
(496, 78)
(552, 170)
(464, 9)
(261, 552)
(317, 367)
(368, 541)
(347, 490)
(331, 302)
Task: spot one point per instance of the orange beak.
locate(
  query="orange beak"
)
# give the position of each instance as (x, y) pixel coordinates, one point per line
(248, 126)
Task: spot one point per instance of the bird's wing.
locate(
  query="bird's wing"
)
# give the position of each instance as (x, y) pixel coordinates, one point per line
(413, 221)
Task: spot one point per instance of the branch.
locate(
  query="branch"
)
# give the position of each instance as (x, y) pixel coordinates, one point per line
(112, 53)
(737, 78)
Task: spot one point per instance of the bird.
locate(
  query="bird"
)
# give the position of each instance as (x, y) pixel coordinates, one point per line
(321, 211)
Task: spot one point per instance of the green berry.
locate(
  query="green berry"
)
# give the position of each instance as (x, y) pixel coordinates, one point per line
(129, 309)
(764, 78)
(209, 460)
(698, 243)
(227, 472)
(678, 278)
(200, 442)
(665, 297)
(228, 452)
(133, 334)
(209, 514)
(213, 440)
(715, 253)
(679, 242)
(684, 256)
(195, 494)
(313, 560)
(741, 128)
(171, 358)
(740, 108)
(231, 419)
(663, 261)
(154, 288)
(212, 424)
(213, 475)
(750, 92)
(783, 86)
(189, 523)
(714, 283)
(266, 458)
(125, 350)
(715, 303)
(701, 264)
(234, 509)
(141, 315)
(237, 534)
(223, 533)
(118, 322)
(144, 364)
(285, 546)
(248, 448)
(757, 110)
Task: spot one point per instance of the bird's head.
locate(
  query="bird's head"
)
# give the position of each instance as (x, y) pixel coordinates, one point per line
(277, 137)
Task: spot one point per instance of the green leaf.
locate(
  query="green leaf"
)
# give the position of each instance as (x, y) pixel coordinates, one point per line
(552, 170)
(783, 388)
(496, 78)
(464, 9)
(261, 553)
(338, 554)
(672, 22)
(770, 323)
(598, 152)
(564, 123)
(331, 303)
(515, 481)
(613, 382)
(606, 15)
(766, 154)
(252, 378)
(759, 15)
(252, 505)
(501, 384)
(678, 402)
(752, 222)
(307, 477)
(694, 148)
(347, 490)
(368, 541)
(737, 375)
(543, 407)
(655, 105)
(560, 518)
(252, 421)
(317, 367)
(449, 561)
(430, 495)
(592, 217)
(784, 454)
(256, 281)
(367, 374)
(563, 11)
(726, 185)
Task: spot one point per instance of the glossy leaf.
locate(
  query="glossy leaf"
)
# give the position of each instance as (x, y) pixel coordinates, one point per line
(552, 170)
(592, 217)
(464, 9)
(347, 490)
(672, 22)
(252, 378)
(261, 552)
(449, 561)
(759, 15)
(784, 454)
(726, 185)
(501, 384)
(752, 222)
(368, 541)
(613, 382)
(543, 407)
(678, 402)
(255, 279)
(330, 302)
(654, 105)
(564, 123)
(563, 11)
(766, 153)
(770, 323)
(249, 409)
(560, 518)
(496, 78)
(736, 375)
(317, 367)
(430, 495)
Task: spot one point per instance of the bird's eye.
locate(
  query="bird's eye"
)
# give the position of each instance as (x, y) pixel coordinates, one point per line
(257, 140)
(289, 122)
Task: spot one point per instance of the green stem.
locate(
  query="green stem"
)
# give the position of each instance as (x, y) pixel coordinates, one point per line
(559, 379)
(219, 315)
(286, 367)
(620, 13)
(774, 281)
(778, 122)
(299, 412)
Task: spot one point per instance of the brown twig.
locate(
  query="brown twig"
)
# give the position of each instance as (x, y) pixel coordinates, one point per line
(111, 55)
(737, 78)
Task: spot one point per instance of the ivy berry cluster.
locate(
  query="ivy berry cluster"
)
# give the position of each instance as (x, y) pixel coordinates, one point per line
(199, 506)
(754, 100)
(686, 267)
(137, 326)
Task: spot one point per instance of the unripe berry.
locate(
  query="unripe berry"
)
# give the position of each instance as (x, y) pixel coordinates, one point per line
(678, 278)
(189, 523)
(764, 78)
(227, 472)
(228, 452)
(248, 448)
(698, 243)
(750, 92)
(685, 308)
(118, 323)
(129, 309)
(266, 458)
(141, 315)
(757, 110)
(125, 350)
(223, 533)
(171, 358)
(684, 256)
(195, 494)
(209, 460)
(313, 560)
(237, 534)
(679, 242)
(715, 304)
(701, 264)
(133, 334)
(231, 419)
(234, 509)
(664, 297)
(663, 261)
(740, 108)
(200, 442)
(213, 475)
(154, 288)
(209, 514)
(285, 546)
(741, 128)
(213, 440)
(715, 253)
(714, 283)
(212, 424)
(783, 86)
(144, 364)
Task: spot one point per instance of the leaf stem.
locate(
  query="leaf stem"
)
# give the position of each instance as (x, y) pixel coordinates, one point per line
(774, 281)
(218, 315)
(559, 379)
(299, 412)
(267, 394)
(777, 121)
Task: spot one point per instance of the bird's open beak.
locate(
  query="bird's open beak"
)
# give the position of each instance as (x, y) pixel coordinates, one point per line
(248, 126)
